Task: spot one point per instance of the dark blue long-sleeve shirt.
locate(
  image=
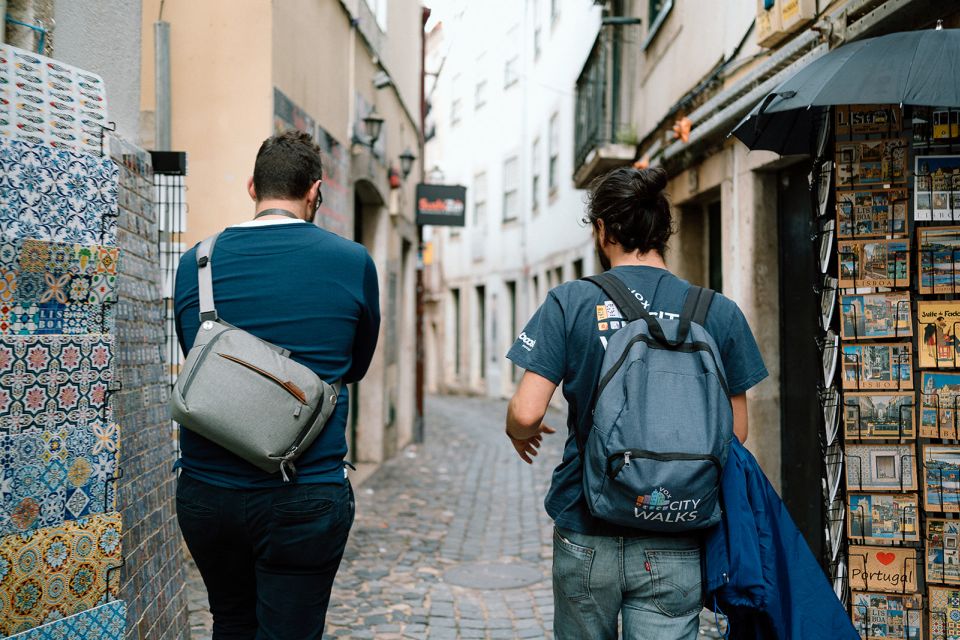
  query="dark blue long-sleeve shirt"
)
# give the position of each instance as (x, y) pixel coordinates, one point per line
(301, 288)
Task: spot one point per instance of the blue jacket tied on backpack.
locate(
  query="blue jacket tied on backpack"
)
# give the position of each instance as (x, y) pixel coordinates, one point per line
(759, 569)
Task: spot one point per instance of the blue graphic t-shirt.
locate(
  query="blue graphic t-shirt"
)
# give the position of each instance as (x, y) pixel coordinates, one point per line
(565, 340)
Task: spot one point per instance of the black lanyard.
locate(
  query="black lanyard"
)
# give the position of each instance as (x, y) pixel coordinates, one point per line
(276, 212)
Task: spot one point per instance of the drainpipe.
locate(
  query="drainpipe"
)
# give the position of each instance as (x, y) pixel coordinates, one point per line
(161, 35)
(421, 307)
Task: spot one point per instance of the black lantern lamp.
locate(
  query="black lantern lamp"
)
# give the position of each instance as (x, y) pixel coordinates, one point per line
(373, 124)
(406, 162)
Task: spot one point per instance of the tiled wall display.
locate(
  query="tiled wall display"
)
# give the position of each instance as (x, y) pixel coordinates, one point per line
(152, 580)
(889, 180)
(61, 550)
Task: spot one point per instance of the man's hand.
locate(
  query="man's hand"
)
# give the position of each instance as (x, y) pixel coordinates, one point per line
(529, 448)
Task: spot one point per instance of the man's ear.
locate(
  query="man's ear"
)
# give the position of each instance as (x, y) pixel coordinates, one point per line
(251, 190)
(314, 192)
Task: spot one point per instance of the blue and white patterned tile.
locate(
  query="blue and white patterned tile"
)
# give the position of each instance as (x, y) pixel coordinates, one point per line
(106, 622)
(56, 195)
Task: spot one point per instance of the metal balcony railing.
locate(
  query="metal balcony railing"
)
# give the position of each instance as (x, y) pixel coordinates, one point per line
(604, 91)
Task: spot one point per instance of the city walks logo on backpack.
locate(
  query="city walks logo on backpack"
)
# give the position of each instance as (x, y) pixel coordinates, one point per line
(660, 506)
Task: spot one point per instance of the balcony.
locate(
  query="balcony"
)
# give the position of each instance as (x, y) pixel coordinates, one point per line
(603, 136)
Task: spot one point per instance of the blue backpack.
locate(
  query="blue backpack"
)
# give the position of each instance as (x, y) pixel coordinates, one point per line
(662, 420)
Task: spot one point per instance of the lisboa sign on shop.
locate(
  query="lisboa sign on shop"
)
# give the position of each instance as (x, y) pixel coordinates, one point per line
(443, 205)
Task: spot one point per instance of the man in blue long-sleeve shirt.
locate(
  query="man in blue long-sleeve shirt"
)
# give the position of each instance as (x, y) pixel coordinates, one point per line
(268, 551)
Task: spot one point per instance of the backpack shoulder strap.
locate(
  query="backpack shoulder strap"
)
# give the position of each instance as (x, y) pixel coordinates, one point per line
(695, 309)
(208, 310)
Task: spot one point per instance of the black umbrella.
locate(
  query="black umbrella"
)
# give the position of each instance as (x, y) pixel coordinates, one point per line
(912, 67)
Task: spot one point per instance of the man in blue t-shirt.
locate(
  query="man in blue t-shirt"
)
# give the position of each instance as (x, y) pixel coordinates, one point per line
(268, 550)
(602, 571)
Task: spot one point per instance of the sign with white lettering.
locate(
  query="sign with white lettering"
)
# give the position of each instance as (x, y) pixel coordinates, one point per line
(443, 205)
(887, 569)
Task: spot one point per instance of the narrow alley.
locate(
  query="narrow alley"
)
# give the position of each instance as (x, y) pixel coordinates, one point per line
(450, 539)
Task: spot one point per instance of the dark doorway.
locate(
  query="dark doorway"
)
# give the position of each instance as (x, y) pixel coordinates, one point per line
(482, 329)
(799, 360)
(715, 248)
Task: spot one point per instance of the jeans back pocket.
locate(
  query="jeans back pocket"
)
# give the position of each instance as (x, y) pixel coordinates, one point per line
(572, 564)
(677, 581)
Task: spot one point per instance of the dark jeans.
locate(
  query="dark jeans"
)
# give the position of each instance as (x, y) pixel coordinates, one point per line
(268, 557)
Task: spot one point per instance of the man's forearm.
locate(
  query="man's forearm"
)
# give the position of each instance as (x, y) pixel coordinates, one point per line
(521, 427)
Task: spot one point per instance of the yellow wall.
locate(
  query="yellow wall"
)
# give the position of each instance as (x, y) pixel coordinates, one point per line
(311, 43)
(222, 100)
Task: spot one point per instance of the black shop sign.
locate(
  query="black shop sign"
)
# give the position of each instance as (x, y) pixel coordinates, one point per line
(443, 205)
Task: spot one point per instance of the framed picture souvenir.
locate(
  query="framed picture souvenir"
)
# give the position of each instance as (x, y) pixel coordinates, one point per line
(873, 316)
(835, 529)
(943, 550)
(939, 404)
(944, 603)
(882, 616)
(829, 356)
(872, 214)
(881, 467)
(834, 473)
(936, 189)
(884, 569)
(874, 263)
(879, 415)
(882, 365)
(828, 300)
(938, 323)
(861, 119)
(941, 478)
(830, 400)
(827, 236)
(939, 260)
(871, 163)
(824, 184)
(883, 518)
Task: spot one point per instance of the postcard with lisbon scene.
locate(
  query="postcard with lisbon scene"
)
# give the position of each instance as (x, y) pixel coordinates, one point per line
(881, 616)
(939, 404)
(883, 365)
(943, 550)
(859, 119)
(864, 163)
(878, 416)
(883, 518)
(938, 324)
(941, 478)
(871, 316)
(936, 190)
(881, 467)
(872, 214)
(939, 259)
(873, 263)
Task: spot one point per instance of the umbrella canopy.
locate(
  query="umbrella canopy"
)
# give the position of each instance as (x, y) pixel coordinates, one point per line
(913, 67)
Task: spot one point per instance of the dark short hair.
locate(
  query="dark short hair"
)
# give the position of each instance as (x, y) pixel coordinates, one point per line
(287, 164)
(634, 209)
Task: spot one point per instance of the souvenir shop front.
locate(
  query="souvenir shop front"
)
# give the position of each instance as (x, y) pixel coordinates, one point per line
(880, 214)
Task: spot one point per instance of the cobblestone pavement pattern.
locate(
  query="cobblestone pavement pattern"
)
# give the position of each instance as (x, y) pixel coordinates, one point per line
(463, 497)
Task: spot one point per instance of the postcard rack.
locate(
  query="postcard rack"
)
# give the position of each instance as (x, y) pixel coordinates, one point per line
(885, 196)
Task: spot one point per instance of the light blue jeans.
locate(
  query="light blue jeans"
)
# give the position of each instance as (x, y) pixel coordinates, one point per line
(654, 581)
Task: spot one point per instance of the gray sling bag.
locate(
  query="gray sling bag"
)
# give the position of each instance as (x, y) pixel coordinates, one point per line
(246, 394)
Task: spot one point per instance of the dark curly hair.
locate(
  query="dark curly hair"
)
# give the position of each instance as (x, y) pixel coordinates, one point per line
(635, 211)
(287, 165)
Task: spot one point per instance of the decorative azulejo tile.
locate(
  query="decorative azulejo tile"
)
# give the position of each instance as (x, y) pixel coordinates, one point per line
(52, 573)
(56, 195)
(44, 101)
(51, 381)
(106, 622)
(49, 477)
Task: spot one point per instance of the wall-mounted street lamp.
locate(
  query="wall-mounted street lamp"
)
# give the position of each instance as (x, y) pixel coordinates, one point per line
(372, 125)
(406, 162)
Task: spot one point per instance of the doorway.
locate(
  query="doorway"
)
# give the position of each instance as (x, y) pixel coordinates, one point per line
(799, 361)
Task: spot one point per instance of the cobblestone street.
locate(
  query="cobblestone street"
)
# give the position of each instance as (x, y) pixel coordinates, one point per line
(462, 509)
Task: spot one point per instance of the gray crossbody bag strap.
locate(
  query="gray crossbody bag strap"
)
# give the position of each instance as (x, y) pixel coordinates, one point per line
(208, 310)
